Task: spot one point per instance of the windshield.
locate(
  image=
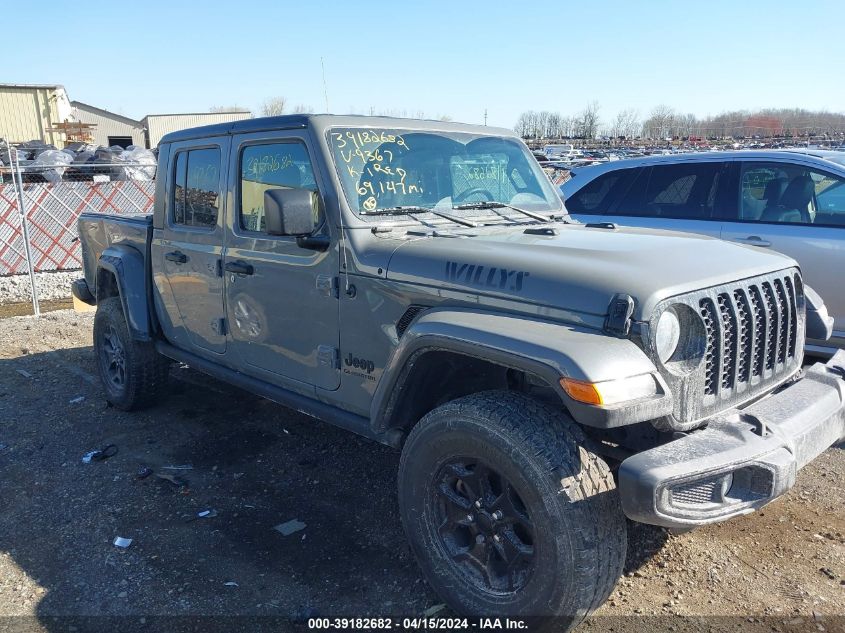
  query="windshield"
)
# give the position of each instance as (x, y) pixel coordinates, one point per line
(383, 169)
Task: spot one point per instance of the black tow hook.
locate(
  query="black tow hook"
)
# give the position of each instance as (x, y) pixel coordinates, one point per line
(838, 370)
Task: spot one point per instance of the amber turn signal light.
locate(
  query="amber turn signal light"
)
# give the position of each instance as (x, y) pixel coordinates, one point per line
(585, 392)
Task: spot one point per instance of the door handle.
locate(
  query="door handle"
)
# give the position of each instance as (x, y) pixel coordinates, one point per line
(753, 240)
(176, 257)
(239, 267)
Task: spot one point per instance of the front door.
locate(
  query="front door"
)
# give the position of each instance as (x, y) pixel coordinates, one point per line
(281, 298)
(799, 211)
(191, 249)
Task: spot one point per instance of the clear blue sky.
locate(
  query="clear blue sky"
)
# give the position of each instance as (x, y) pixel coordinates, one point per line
(451, 58)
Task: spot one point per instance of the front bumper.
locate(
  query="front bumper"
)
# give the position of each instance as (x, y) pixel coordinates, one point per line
(742, 459)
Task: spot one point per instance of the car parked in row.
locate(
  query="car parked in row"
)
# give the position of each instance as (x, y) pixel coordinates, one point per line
(790, 201)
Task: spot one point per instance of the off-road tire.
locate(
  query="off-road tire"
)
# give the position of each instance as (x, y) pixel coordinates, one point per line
(144, 369)
(569, 493)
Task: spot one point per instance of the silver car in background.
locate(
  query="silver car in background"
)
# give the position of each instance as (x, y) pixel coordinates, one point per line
(792, 201)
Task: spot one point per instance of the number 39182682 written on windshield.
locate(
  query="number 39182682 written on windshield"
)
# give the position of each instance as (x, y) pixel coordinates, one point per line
(366, 159)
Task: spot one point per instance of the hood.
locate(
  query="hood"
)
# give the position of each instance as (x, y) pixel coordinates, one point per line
(580, 268)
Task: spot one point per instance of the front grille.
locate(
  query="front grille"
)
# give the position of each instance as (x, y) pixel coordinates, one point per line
(753, 338)
(746, 331)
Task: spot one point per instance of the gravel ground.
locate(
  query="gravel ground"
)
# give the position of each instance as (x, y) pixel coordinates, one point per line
(51, 286)
(258, 465)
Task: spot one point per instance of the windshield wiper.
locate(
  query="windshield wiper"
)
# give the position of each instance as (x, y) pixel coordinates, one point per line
(410, 210)
(492, 204)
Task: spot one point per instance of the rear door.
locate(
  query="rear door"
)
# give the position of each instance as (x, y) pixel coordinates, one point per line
(799, 210)
(686, 196)
(190, 253)
(281, 298)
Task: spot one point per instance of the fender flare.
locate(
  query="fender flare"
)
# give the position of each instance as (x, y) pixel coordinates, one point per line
(548, 350)
(128, 267)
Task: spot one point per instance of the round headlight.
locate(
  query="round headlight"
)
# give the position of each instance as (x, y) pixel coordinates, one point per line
(667, 335)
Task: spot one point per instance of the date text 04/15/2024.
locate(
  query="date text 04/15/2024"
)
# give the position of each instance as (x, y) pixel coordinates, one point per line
(418, 623)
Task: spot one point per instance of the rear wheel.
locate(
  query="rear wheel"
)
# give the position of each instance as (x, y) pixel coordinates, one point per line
(508, 513)
(132, 372)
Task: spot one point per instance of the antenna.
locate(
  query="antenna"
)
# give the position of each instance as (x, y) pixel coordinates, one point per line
(325, 89)
(485, 116)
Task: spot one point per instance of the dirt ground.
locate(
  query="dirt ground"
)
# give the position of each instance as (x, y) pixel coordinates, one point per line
(256, 465)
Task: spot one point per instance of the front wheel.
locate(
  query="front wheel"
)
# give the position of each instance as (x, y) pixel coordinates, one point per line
(507, 512)
(132, 372)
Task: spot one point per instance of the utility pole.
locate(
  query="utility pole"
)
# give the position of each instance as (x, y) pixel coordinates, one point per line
(485, 116)
(325, 88)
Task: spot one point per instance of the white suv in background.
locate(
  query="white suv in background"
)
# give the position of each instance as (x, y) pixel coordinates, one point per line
(792, 201)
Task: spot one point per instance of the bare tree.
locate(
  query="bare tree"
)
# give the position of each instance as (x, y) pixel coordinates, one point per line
(588, 121)
(302, 109)
(626, 124)
(553, 129)
(660, 123)
(274, 106)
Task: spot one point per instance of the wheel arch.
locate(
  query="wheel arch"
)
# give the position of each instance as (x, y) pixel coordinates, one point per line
(121, 272)
(443, 344)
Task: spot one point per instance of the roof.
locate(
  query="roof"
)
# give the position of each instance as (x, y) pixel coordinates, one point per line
(818, 158)
(720, 156)
(321, 122)
(107, 113)
(152, 116)
(53, 86)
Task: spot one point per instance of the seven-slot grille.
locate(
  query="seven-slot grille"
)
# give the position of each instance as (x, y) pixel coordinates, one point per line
(752, 333)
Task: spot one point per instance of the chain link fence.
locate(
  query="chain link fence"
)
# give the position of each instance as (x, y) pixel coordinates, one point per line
(40, 205)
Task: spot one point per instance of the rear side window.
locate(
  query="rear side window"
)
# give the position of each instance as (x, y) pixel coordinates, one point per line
(271, 166)
(196, 188)
(685, 191)
(596, 196)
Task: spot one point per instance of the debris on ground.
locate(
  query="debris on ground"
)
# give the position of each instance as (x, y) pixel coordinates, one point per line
(231, 583)
(182, 467)
(173, 479)
(205, 514)
(290, 527)
(432, 610)
(143, 472)
(121, 542)
(76, 400)
(103, 454)
(24, 373)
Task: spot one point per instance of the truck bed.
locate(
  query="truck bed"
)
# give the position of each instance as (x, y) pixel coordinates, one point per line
(98, 231)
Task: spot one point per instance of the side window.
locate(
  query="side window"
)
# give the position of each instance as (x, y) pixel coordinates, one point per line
(761, 190)
(271, 166)
(783, 193)
(597, 195)
(196, 195)
(683, 191)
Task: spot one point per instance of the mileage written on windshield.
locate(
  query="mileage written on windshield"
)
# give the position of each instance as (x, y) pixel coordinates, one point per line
(369, 161)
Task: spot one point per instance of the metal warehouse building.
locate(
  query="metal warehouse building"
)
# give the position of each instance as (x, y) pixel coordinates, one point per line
(111, 129)
(157, 125)
(30, 112)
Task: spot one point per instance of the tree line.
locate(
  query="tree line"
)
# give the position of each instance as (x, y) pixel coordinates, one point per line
(664, 122)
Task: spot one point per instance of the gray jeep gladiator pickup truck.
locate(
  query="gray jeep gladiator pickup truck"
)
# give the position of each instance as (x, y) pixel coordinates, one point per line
(420, 283)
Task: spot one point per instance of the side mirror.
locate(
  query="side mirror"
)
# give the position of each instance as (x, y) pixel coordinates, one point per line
(290, 211)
